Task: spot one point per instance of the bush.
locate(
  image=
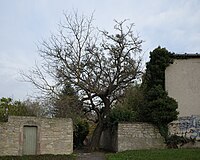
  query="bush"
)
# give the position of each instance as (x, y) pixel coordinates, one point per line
(122, 115)
(159, 108)
(81, 130)
(127, 109)
(174, 140)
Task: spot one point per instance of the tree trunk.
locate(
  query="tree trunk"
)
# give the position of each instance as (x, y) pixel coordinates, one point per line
(95, 141)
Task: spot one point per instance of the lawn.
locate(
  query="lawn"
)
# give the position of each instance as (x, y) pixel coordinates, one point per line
(165, 154)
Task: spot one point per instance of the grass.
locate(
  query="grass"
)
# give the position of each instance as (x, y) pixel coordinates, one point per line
(165, 154)
(39, 157)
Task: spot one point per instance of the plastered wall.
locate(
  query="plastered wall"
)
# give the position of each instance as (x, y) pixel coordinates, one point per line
(188, 127)
(182, 81)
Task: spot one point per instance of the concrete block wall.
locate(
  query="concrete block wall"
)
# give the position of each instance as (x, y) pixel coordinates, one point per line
(54, 136)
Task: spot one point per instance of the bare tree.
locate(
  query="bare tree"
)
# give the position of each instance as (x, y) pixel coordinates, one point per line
(99, 65)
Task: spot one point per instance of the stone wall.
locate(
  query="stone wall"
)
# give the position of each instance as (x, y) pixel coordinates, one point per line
(132, 136)
(138, 136)
(109, 140)
(54, 136)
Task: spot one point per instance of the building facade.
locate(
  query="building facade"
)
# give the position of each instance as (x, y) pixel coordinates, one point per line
(182, 82)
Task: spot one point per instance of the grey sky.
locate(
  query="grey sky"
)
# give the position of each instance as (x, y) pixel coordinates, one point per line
(23, 23)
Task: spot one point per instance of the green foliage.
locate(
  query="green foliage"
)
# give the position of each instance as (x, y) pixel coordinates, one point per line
(81, 130)
(122, 115)
(173, 141)
(133, 98)
(149, 103)
(159, 108)
(160, 58)
(37, 108)
(68, 104)
(14, 108)
(127, 110)
(163, 154)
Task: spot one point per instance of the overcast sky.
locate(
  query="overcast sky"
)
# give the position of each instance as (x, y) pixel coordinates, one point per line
(174, 24)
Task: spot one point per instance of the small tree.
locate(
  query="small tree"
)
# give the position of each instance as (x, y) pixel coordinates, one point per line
(14, 108)
(81, 130)
(128, 107)
(36, 107)
(68, 104)
(99, 65)
(159, 108)
(160, 59)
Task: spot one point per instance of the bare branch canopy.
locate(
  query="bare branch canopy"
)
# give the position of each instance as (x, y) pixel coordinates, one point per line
(99, 65)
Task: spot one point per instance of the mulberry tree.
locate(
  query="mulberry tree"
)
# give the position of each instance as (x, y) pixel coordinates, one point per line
(97, 64)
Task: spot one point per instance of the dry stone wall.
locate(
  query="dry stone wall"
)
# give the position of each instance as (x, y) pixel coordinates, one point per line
(138, 136)
(54, 136)
(132, 136)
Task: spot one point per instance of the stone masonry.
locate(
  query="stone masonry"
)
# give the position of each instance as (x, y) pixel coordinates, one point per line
(139, 136)
(54, 136)
(132, 136)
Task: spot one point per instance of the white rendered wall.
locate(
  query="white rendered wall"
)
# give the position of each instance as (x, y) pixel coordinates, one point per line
(182, 81)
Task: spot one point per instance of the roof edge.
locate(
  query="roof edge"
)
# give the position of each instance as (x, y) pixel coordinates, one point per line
(186, 55)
